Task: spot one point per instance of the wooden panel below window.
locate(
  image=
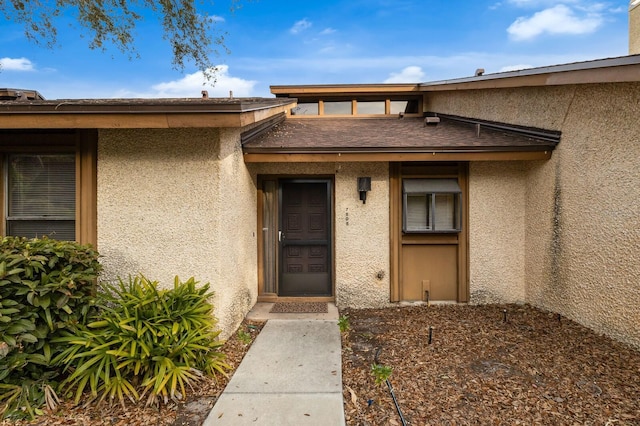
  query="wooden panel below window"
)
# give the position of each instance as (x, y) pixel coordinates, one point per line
(436, 262)
(430, 267)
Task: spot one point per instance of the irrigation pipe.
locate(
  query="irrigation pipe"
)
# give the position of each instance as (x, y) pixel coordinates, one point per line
(393, 395)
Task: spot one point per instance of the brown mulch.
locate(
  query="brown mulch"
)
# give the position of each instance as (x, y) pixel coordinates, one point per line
(300, 307)
(191, 412)
(535, 368)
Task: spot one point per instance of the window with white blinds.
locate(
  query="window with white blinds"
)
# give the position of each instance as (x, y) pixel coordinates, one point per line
(418, 217)
(41, 195)
(431, 205)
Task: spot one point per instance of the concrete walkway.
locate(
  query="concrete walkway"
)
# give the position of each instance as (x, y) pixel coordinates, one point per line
(292, 375)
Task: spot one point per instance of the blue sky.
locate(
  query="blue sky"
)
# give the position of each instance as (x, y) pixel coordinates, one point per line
(275, 42)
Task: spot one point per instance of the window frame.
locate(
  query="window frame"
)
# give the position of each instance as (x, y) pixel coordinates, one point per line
(318, 106)
(83, 144)
(430, 188)
(16, 219)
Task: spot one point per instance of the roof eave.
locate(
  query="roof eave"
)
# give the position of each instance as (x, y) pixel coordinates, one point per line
(342, 89)
(252, 156)
(410, 150)
(610, 70)
(38, 115)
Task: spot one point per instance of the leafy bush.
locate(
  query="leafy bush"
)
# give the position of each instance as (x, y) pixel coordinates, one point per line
(244, 336)
(144, 341)
(343, 323)
(380, 373)
(46, 287)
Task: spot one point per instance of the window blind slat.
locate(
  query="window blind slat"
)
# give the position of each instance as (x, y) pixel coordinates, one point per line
(431, 205)
(41, 195)
(55, 229)
(444, 212)
(417, 213)
(42, 185)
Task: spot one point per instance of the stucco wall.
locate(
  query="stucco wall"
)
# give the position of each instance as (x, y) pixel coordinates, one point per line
(634, 28)
(179, 202)
(362, 241)
(582, 250)
(497, 232)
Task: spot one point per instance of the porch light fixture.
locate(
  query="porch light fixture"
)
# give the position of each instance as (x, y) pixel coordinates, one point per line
(364, 185)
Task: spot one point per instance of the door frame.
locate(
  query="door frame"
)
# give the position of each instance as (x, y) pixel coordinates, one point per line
(398, 171)
(272, 296)
(282, 243)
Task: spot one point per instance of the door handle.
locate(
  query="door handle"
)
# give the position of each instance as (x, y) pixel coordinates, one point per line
(280, 236)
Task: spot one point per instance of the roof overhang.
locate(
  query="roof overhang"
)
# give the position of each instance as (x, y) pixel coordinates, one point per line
(408, 139)
(611, 70)
(355, 157)
(139, 113)
(354, 90)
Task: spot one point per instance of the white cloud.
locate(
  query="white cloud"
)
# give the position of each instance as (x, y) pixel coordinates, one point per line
(559, 19)
(191, 86)
(16, 64)
(411, 74)
(300, 26)
(621, 9)
(327, 49)
(318, 69)
(518, 67)
(327, 31)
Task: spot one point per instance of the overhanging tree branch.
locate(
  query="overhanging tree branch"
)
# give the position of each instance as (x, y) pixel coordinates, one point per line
(191, 35)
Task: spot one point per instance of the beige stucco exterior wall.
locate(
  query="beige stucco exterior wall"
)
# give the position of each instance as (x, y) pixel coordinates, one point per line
(179, 202)
(582, 240)
(634, 27)
(361, 231)
(497, 232)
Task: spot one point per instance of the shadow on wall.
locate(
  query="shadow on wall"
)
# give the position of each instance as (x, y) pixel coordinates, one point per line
(230, 316)
(116, 265)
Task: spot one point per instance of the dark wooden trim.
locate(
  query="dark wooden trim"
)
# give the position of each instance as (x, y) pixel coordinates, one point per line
(342, 89)
(260, 234)
(273, 297)
(84, 144)
(398, 171)
(330, 186)
(87, 187)
(463, 243)
(51, 119)
(394, 230)
(41, 141)
(3, 185)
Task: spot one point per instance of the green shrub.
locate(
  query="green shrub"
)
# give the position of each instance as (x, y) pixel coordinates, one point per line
(144, 341)
(244, 336)
(343, 323)
(380, 373)
(46, 287)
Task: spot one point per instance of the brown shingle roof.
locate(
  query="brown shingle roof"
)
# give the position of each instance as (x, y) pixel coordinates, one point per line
(328, 135)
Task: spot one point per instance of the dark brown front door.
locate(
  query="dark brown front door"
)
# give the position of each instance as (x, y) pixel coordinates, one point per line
(305, 236)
